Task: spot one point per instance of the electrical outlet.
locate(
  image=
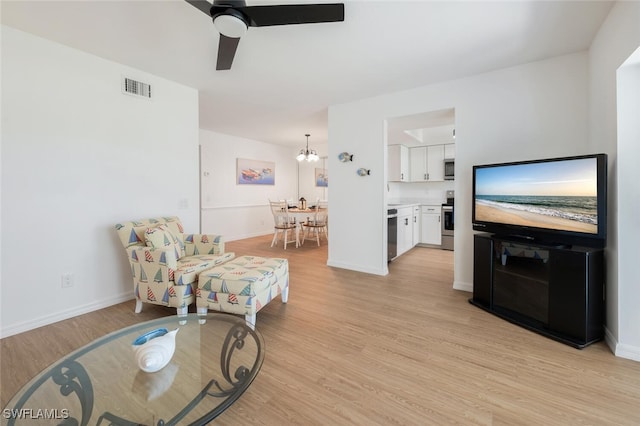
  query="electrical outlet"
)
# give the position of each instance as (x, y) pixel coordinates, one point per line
(67, 280)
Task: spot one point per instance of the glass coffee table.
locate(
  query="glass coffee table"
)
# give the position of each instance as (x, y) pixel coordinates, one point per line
(216, 358)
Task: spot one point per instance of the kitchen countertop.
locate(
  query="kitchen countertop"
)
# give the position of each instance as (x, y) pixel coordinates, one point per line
(402, 205)
(398, 204)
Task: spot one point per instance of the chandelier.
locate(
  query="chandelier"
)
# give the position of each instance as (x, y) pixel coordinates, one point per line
(307, 154)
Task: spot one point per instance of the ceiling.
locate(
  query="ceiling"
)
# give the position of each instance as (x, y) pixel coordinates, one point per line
(426, 128)
(284, 78)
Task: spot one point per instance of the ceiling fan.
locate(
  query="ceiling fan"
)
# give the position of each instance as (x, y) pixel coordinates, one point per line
(232, 18)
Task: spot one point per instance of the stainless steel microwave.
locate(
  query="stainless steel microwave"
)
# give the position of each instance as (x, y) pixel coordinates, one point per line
(449, 169)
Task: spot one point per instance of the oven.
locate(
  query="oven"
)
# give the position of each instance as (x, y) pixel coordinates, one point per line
(447, 225)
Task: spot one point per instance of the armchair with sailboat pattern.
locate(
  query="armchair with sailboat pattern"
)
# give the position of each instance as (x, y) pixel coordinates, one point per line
(165, 262)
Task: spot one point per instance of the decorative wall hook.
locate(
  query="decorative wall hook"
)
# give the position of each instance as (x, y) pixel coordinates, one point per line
(363, 172)
(345, 157)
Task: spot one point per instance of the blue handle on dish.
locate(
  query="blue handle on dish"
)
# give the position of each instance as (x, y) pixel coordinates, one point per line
(158, 332)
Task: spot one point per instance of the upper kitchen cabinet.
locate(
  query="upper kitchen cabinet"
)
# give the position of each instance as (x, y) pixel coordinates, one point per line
(450, 151)
(398, 157)
(435, 163)
(418, 162)
(427, 162)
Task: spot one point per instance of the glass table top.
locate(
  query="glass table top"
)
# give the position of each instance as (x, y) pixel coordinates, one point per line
(216, 358)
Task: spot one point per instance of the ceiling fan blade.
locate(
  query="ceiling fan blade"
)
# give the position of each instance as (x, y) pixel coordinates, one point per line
(264, 16)
(202, 5)
(226, 51)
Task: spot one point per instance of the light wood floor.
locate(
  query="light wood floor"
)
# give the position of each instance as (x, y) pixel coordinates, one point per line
(405, 349)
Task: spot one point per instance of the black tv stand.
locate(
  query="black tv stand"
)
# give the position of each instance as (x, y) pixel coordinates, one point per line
(556, 291)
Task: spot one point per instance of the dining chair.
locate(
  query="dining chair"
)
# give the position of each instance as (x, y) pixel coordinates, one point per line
(317, 223)
(283, 224)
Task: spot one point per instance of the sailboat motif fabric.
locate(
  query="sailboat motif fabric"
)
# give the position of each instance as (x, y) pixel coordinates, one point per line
(189, 267)
(150, 296)
(143, 275)
(162, 236)
(164, 268)
(243, 285)
(203, 244)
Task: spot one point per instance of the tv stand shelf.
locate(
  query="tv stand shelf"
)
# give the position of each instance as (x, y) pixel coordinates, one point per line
(555, 291)
(520, 271)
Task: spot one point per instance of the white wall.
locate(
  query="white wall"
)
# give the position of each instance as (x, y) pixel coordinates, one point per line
(531, 111)
(306, 177)
(628, 224)
(358, 206)
(418, 191)
(78, 156)
(241, 211)
(618, 38)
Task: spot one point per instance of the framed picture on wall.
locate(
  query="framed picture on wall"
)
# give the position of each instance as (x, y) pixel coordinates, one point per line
(255, 172)
(322, 178)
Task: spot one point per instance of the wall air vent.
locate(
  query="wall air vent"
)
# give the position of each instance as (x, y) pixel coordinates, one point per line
(136, 88)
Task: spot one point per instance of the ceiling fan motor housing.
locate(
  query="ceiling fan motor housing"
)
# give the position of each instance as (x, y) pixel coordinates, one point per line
(232, 19)
(230, 22)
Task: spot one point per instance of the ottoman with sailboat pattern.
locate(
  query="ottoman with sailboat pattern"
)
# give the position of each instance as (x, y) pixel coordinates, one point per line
(243, 286)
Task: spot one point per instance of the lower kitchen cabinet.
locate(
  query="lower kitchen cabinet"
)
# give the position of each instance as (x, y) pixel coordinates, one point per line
(431, 231)
(405, 229)
(417, 219)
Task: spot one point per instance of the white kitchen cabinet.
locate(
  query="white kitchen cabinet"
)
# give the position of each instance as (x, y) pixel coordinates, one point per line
(450, 151)
(405, 229)
(418, 163)
(431, 232)
(417, 219)
(427, 163)
(398, 163)
(435, 163)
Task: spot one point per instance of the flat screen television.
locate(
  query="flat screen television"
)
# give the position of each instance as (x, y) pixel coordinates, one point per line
(555, 202)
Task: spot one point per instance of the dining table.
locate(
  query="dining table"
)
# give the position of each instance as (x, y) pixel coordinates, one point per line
(301, 216)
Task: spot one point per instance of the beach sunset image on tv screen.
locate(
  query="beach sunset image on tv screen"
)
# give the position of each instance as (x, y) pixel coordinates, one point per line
(559, 195)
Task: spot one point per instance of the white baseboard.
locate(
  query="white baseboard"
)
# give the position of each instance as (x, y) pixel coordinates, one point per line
(358, 268)
(610, 340)
(459, 285)
(620, 349)
(63, 315)
(628, 352)
(244, 236)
